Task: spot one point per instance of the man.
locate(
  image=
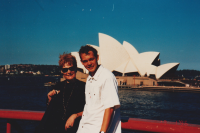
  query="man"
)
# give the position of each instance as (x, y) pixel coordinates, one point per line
(101, 112)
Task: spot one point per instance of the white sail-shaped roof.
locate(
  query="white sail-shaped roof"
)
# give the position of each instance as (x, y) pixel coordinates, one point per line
(130, 67)
(144, 60)
(151, 70)
(148, 57)
(112, 52)
(129, 48)
(126, 67)
(161, 70)
(121, 68)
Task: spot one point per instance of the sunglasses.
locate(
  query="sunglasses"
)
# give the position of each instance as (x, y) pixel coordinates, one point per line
(64, 70)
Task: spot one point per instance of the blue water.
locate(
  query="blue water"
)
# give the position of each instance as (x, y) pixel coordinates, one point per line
(29, 93)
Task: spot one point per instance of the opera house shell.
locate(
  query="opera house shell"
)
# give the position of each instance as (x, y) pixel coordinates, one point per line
(124, 58)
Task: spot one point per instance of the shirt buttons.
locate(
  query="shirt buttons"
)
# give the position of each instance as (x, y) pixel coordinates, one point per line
(82, 126)
(94, 94)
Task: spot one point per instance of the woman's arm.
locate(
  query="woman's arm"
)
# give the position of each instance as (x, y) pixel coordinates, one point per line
(51, 94)
(71, 119)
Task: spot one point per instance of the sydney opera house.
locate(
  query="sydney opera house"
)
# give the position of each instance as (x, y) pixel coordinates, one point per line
(125, 61)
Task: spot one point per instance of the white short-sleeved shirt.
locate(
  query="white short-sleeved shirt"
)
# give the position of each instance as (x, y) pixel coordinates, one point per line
(101, 93)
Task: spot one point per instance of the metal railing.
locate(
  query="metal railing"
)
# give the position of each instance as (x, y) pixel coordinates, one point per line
(127, 123)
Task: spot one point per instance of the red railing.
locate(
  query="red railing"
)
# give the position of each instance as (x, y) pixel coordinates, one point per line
(127, 123)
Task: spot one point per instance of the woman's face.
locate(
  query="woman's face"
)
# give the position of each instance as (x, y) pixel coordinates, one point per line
(69, 74)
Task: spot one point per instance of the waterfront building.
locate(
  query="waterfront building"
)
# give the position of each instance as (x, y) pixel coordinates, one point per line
(125, 61)
(38, 73)
(7, 67)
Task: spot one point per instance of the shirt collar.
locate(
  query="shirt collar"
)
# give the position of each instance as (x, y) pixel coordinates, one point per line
(96, 75)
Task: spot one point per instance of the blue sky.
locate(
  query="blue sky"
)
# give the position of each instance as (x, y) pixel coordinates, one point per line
(37, 31)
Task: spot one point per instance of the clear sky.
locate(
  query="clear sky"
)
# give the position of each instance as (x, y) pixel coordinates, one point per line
(37, 31)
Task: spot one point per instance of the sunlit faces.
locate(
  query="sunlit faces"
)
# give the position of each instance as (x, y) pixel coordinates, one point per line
(90, 62)
(71, 73)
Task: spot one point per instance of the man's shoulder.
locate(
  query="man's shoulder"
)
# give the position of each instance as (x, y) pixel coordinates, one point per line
(107, 73)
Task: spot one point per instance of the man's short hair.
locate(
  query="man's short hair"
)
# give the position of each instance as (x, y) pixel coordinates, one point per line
(67, 58)
(85, 49)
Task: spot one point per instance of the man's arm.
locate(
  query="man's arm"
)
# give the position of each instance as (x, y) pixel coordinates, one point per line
(110, 100)
(70, 121)
(106, 119)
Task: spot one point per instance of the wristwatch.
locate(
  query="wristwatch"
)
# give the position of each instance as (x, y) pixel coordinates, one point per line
(101, 132)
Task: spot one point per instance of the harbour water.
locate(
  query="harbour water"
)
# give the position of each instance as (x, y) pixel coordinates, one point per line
(29, 93)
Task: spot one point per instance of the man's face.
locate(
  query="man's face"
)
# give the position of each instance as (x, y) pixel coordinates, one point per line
(70, 74)
(89, 61)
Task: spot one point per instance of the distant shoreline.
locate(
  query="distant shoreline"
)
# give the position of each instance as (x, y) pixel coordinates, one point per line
(163, 88)
(23, 75)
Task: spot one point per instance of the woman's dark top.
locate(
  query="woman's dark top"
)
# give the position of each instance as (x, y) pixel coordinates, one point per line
(70, 100)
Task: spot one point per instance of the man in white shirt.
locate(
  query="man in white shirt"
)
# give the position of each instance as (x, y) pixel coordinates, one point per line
(101, 112)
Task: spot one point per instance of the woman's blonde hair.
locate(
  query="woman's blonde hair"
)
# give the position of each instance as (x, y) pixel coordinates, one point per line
(67, 58)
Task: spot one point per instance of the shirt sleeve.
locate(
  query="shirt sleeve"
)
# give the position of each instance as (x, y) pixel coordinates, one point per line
(110, 93)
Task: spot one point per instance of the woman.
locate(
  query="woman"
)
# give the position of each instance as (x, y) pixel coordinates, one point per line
(65, 101)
